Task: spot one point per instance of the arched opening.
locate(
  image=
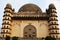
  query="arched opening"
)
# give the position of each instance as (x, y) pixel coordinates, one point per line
(29, 31)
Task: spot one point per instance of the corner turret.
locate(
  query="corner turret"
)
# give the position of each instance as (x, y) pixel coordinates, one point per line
(6, 25)
(53, 21)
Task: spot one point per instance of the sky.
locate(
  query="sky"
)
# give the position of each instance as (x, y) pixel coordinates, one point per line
(16, 4)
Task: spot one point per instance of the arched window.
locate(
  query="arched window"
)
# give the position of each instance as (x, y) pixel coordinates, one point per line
(52, 31)
(3, 30)
(52, 26)
(56, 36)
(53, 36)
(4, 26)
(7, 26)
(54, 19)
(7, 22)
(3, 36)
(56, 31)
(6, 31)
(25, 35)
(8, 18)
(55, 26)
(51, 22)
(54, 22)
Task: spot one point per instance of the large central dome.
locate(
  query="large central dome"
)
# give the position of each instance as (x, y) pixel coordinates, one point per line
(30, 7)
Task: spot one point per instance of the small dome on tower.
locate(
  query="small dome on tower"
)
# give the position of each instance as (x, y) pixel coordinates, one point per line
(52, 6)
(8, 6)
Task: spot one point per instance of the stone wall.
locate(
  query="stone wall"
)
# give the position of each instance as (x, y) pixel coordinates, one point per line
(18, 27)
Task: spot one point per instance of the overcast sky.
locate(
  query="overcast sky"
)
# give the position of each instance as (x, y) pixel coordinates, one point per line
(16, 4)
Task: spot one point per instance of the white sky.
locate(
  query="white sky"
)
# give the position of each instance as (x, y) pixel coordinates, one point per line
(16, 4)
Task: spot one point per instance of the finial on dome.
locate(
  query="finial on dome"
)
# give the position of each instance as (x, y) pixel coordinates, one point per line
(52, 6)
(8, 6)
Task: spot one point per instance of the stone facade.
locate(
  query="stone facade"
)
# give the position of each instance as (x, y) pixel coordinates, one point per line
(41, 27)
(30, 22)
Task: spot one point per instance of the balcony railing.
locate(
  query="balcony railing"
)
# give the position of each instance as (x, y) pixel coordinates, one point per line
(54, 29)
(5, 32)
(6, 28)
(6, 24)
(54, 33)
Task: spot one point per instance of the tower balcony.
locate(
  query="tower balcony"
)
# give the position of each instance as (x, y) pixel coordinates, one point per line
(5, 32)
(53, 15)
(7, 19)
(54, 33)
(6, 15)
(6, 28)
(53, 20)
(6, 24)
(53, 24)
(53, 11)
(8, 10)
(54, 29)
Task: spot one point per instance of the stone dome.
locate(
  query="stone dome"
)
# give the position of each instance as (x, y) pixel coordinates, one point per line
(30, 7)
(8, 6)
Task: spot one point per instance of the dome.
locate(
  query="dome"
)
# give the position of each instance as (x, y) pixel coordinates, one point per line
(8, 6)
(52, 6)
(30, 7)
